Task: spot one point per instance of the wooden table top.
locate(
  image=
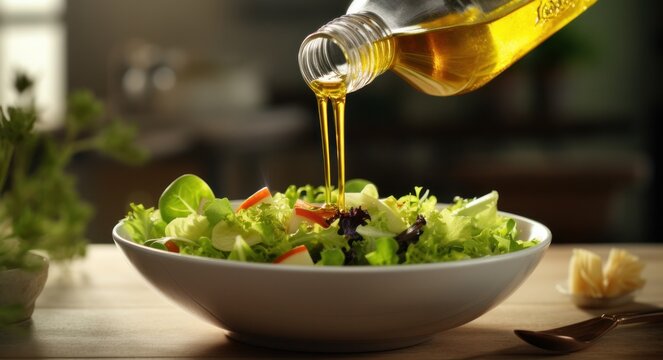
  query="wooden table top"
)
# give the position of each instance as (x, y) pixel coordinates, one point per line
(100, 307)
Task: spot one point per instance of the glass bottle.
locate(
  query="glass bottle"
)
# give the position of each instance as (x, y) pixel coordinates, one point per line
(441, 47)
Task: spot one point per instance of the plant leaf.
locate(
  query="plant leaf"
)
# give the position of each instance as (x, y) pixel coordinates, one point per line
(183, 197)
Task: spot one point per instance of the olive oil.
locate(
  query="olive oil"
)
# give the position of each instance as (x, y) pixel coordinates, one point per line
(461, 49)
(440, 59)
(332, 89)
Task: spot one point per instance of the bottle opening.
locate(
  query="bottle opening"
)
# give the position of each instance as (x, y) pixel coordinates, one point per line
(326, 61)
(352, 49)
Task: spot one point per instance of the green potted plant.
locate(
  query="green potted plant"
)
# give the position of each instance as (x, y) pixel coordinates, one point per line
(42, 216)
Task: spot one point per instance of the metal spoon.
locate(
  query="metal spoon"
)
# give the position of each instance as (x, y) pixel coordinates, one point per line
(578, 336)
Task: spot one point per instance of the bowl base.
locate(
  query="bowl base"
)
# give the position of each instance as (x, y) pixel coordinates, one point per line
(326, 346)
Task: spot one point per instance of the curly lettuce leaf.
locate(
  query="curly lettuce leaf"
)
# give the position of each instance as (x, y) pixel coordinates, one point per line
(143, 224)
(470, 228)
(262, 227)
(413, 205)
(316, 194)
(309, 193)
(203, 247)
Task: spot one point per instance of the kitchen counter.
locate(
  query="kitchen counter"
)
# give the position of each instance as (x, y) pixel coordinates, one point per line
(100, 307)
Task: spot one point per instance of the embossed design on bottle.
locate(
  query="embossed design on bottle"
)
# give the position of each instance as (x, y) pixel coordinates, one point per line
(550, 9)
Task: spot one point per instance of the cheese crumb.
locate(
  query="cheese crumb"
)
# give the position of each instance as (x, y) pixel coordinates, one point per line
(620, 275)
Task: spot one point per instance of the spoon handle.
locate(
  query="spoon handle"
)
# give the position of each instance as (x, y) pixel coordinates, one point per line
(637, 317)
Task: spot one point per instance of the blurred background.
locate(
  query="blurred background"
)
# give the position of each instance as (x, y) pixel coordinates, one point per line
(568, 135)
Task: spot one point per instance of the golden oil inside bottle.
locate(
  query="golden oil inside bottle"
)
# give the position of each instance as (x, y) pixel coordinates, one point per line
(444, 58)
(332, 89)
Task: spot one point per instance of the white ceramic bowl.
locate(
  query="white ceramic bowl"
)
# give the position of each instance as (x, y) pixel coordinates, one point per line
(336, 308)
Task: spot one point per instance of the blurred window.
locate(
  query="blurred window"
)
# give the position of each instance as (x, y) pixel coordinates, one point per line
(32, 40)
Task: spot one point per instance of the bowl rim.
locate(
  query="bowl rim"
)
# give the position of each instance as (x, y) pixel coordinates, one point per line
(543, 244)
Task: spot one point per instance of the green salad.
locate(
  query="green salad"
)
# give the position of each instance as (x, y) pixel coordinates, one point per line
(289, 228)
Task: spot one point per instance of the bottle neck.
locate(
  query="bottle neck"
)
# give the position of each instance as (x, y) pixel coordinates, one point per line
(353, 48)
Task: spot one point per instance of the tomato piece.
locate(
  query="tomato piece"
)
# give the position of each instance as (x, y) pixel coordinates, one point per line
(258, 197)
(312, 216)
(325, 212)
(296, 255)
(313, 213)
(171, 246)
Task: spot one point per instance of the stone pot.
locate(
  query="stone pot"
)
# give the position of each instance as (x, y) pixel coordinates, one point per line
(19, 288)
